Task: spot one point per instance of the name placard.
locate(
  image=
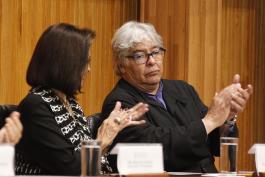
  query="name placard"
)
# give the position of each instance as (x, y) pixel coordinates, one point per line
(139, 158)
(259, 151)
(7, 153)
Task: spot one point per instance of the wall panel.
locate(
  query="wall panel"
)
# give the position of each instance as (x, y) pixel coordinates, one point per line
(23, 21)
(169, 19)
(242, 49)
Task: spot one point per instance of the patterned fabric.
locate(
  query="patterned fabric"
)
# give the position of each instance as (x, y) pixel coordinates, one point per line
(24, 167)
(74, 128)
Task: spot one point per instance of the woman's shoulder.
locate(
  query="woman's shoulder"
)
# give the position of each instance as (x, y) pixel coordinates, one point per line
(33, 100)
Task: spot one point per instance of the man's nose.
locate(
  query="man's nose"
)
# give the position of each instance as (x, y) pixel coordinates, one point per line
(151, 59)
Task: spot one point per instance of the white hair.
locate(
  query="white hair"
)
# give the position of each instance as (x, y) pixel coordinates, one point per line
(128, 36)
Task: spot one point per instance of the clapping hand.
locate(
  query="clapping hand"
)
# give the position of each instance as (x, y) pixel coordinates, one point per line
(118, 120)
(239, 98)
(12, 130)
(226, 104)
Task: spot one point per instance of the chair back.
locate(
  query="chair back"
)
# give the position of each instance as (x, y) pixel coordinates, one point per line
(94, 121)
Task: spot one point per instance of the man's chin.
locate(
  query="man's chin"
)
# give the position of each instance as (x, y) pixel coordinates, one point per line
(154, 81)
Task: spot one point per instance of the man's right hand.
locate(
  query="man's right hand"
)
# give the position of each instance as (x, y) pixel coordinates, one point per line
(220, 108)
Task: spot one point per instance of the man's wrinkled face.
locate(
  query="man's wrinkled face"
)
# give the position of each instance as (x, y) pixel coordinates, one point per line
(144, 66)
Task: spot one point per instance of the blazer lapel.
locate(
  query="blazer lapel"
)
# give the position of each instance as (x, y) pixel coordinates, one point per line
(142, 96)
(175, 102)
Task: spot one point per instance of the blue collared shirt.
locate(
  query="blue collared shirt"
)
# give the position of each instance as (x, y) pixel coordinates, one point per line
(158, 97)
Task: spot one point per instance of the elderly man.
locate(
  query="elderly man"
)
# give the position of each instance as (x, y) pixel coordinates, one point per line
(177, 118)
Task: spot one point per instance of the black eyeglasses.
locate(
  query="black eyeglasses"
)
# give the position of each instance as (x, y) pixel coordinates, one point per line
(143, 57)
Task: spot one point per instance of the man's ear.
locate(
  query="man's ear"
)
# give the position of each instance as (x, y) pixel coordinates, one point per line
(121, 68)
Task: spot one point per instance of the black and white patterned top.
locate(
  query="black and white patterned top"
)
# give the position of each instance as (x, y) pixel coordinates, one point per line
(51, 140)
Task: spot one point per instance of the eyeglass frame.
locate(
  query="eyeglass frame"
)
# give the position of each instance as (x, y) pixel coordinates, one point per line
(162, 51)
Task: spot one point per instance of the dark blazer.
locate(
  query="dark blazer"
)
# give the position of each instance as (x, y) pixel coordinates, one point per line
(179, 128)
(46, 147)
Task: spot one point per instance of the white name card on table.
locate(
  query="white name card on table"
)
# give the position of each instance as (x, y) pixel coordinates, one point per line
(259, 151)
(139, 158)
(7, 155)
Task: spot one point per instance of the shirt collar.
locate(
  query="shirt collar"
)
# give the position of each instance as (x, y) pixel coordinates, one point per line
(159, 91)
